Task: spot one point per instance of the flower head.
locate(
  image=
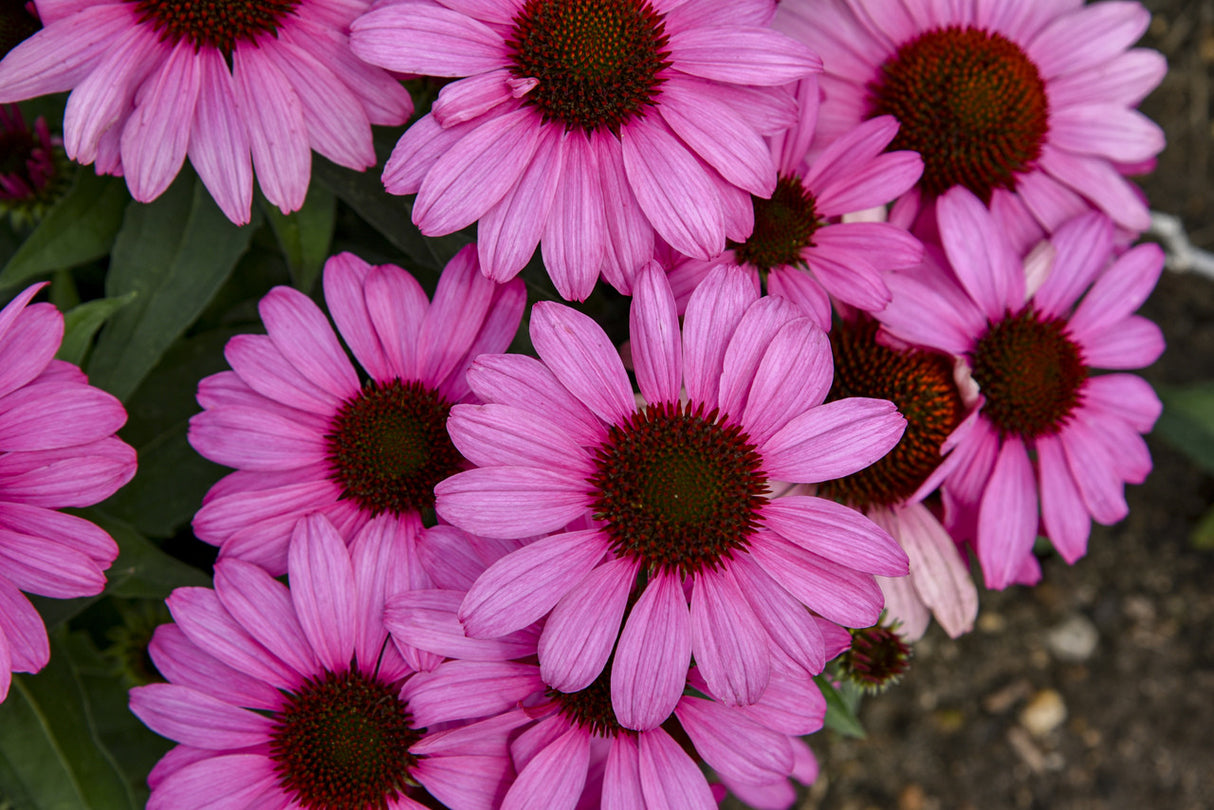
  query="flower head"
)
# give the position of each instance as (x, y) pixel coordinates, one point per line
(1049, 430)
(1028, 105)
(307, 433)
(586, 126)
(675, 492)
(57, 449)
(33, 168)
(234, 85)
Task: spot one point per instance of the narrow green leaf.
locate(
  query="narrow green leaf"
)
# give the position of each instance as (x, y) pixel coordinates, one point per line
(51, 746)
(175, 253)
(81, 227)
(839, 715)
(1188, 421)
(142, 571)
(305, 235)
(82, 322)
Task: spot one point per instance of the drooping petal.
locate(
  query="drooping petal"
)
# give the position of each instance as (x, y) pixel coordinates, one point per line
(650, 666)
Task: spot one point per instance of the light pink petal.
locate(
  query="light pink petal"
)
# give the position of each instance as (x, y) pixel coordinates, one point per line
(578, 352)
(426, 39)
(511, 502)
(523, 586)
(733, 745)
(525, 382)
(474, 782)
(1108, 130)
(728, 642)
(792, 704)
(263, 368)
(322, 589)
(1101, 183)
(836, 532)
(802, 289)
(255, 439)
(22, 630)
(697, 113)
(670, 780)
(397, 306)
(794, 375)
(1133, 343)
(937, 315)
(1064, 517)
(1094, 473)
(1082, 248)
(262, 605)
(1122, 289)
(461, 302)
(155, 137)
(654, 652)
(70, 531)
(840, 594)
(278, 136)
(555, 776)
(191, 717)
(58, 58)
(51, 415)
(509, 231)
(494, 11)
(575, 235)
(476, 172)
(713, 313)
(178, 660)
(1007, 518)
(581, 631)
(657, 352)
(458, 690)
(1127, 395)
(345, 277)
(426, 619)
(631, 243)
(211, 628)
(232, 782)
(748, 345)
(871, 184)
(742, 55)
(496, 333)
(979, 254)
(472, 97)
(904, 606)
(1086, 37)
(506, 436)
(219, 140)
(622, 776)
(1125, 79)
(418, 150)
(220, 517)
(673, 189)
(894, 248)
(785, 619)
(302, 333)
(833, 440)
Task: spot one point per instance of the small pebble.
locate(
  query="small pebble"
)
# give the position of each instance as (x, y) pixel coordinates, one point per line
(1074, 641)
(1044, 713)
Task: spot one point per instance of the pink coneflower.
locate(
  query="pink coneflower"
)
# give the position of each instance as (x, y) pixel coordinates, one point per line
(570, 749)
(922, 384)
(33, 169)
(588, 125)
(306, 433)
(155, 80)
(57, 449)
(677, 490)
(1029, 105)
(800, 245)
(1048, 431)
(290, 697)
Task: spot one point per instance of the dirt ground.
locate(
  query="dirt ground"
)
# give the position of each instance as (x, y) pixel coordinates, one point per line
(1095, 690)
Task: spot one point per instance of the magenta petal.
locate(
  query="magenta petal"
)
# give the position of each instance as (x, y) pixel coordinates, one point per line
(622, 776)
(426, 39)
(1121, 290)
(734, 745)
(262, 605)
(575, 235)
(48, 569)
(657, 351)
(748, 345)
(785, 619)
(581, 631)
(1007, 518)
(840, 594)
(21, 628)
(208, 625)
(578, 352)
(713, 313)
(524, 585)
(322, 588)
(979, 253)
(1064, 517)
(155, 137)
(474, 782)
(631, 243)
(555, 776)
(426, 619)
(219, 140)
(654, 652)
(51, 415)
(727, 640)
(344, 278)
(278, 136)
(670, 780)
(53, 61)
(458, 690)
(511, 502)
(506, 436)
(742, 55)
(196, 719)
(418, 150)
(794, 376)
(182, 663)
(1094, 473)
(524, 382)
(833, 440)
(1128, 396)
(1082, 247)
(217, 783)
(303, 335)
(1132, 343)
(836, 532)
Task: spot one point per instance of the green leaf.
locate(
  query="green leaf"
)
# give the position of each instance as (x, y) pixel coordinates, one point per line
(50, 746)
(81, 227)
(305, 235)
(82, 322)
(840, 716)
(1187, 421)
(142, 571)
(175, 253)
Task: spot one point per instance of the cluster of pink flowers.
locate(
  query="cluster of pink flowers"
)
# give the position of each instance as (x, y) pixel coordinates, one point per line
(879, 256)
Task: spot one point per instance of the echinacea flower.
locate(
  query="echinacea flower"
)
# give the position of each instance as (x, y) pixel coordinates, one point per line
(306, 433)
(1049, 431)
(586, 126)
(233, 85)
(677, 494)
(289, 696)
(1028, 104)
(801, 244)
(33, 169)
(57, 449)
(922, 383)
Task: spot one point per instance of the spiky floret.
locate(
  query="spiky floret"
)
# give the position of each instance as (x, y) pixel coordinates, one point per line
(34, 171)
(970, 102)
(784, 226)
(921, 384)
(590, 708)
(678, 488)
(877, 657)
(1031, 372)
(215, 23)
(341, 742)
(389, 446)
(598, 62)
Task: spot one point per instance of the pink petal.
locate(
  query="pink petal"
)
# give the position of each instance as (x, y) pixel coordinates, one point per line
(836, 532)
(503, 435)
(727, 640)
(1133, 343)
(656, 341)
(48, 569)
(742, 55)
(211, 628)
(622, 776)
(426, 619)
(833, 440)
(838, 593)
(1100, 182)
(654, 652)
(1086, 37)
(302, 333)
(182, 663)
(575, 235)
(555, 776)
(1082, 247)
(465, 781)
(733, 745)
(578, 352)
(51, 415)
(262, 605)
(66, 530)
(785, 619)
(1127, 395)
(631, 243)
(669, 778)
(196, 719)
(458, 690)
(1108, 130)
(322, 589)
(397, 306)
(748, 345)
(418, 150)
(713, 313)
(794, 376)
(1094, 473)
(74, 476)
(1122, 289)
(461, 303)
(155, 137)
(1007, 518)
(426, 39)
(511, 502)
(979, 254)
(219, 140)
(1064, 517)
(22, 632)
(57, 59)
(525, 382)
(231, 782)
(345, 279)
(278, 136)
